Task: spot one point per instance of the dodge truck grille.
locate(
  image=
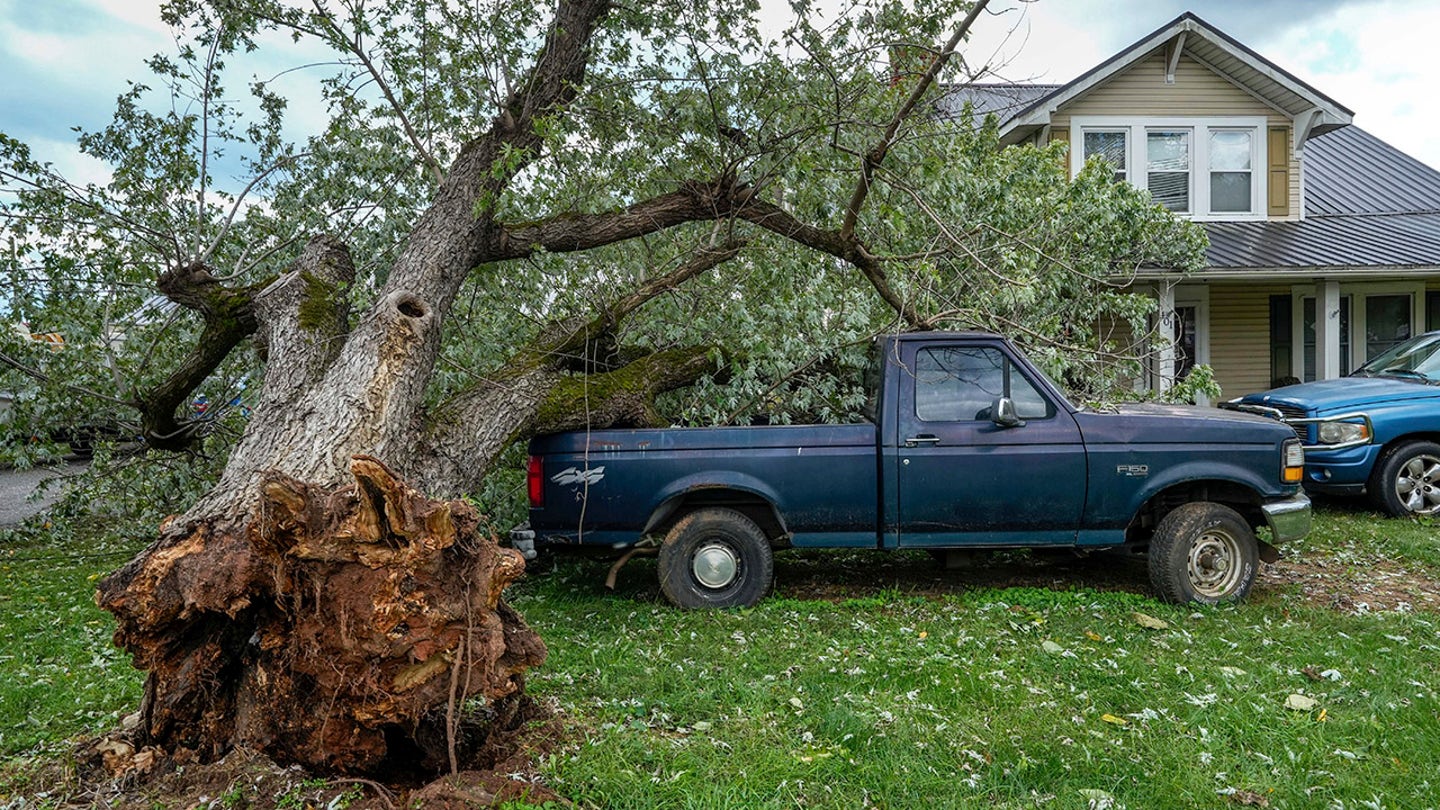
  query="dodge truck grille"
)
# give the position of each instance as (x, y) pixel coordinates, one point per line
(1302, 432)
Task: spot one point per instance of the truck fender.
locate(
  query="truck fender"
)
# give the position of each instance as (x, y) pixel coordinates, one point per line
(712, 487)
(1194, 472)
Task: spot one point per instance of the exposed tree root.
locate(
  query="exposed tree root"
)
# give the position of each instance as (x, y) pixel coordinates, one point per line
(332, 630)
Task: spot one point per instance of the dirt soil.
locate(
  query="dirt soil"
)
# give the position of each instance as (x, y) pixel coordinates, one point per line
(1380, 586)
(108, 772)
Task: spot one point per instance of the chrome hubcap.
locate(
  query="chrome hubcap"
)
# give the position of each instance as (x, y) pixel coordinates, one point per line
(715, 564)
(1214, 567)
(1418, 485)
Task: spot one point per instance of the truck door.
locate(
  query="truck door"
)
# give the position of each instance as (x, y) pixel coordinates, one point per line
(963, 478)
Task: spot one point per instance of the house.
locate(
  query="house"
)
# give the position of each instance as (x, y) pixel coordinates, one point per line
(1324, 240)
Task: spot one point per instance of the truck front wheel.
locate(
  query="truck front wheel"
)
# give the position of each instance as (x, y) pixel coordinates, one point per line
(1203, 552)
(715, 558)
(1407, 480)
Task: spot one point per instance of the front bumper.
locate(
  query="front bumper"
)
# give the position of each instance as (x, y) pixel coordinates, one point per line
(1288, 519)
(1330, 470)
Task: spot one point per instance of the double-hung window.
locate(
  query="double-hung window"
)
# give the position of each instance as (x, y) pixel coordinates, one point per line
(1232, 186)
(1109, 145)
(1167, 168)
(1201, 167)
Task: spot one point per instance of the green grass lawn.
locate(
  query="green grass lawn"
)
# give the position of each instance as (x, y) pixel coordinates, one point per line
(59, 674)
(881, 680)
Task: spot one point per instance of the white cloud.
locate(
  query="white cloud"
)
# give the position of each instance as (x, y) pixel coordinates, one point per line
(1378, 59)
(78, 168)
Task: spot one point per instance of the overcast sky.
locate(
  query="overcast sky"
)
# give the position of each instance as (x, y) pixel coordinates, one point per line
(63, 62)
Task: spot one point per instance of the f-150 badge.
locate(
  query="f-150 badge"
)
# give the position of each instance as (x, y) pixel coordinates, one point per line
(1133, 470)
(574, 475)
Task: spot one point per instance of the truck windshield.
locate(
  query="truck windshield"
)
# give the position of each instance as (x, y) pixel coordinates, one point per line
(1416, 359)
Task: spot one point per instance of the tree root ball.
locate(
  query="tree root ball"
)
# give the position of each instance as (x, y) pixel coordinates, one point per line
(340, 630)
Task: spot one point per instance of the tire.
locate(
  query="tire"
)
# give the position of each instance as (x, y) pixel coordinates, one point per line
(1407, 480)
(1203, 552)
(715, 558)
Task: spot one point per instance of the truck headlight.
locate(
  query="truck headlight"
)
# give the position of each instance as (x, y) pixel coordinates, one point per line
(1293, 471)
(1343, 432)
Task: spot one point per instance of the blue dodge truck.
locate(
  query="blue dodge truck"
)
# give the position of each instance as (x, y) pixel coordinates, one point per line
(968, 446)
(1374, 432)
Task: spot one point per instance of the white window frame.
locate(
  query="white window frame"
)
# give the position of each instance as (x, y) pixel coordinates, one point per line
(1415, 290)
(1357, 293)
(1129, 137)
(1199, 128)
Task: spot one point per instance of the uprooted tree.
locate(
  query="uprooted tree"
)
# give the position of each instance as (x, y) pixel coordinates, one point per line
(520, 218)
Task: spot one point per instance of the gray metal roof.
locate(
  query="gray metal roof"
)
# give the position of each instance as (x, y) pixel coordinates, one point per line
(1350, 171)
(1004, 100)
(1367, 205)
(1318, 243)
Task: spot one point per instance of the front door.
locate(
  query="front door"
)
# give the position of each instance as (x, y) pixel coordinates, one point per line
(963, 479)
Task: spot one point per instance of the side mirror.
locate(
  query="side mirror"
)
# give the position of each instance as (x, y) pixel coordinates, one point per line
(1004, 414)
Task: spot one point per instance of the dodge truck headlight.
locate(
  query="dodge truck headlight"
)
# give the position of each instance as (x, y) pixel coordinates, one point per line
(1343, 432)
(1293, 472)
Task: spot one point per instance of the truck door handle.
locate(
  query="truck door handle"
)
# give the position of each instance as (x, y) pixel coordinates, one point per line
(923, 438)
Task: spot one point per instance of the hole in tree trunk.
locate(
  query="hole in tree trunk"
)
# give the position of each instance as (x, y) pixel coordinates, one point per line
(411, 307)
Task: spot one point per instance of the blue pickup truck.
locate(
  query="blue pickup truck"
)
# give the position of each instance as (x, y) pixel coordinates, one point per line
(1375, 432)
(968, 446)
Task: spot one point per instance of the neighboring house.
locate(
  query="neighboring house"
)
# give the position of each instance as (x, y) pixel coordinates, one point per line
(1306, 213)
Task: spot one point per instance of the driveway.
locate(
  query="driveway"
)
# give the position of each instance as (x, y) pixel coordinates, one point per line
(17, 485)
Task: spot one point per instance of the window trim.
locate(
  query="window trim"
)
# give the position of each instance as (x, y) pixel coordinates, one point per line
(1199, 128)
(1357, 293)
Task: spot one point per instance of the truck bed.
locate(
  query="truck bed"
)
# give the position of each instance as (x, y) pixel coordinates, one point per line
(822, 478)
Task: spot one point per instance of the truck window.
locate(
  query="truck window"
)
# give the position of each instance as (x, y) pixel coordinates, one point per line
(960, 385)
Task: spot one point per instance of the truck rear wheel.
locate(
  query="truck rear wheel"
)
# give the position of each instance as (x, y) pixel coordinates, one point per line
(1407, 480)
(715, 558)
(1203, 552)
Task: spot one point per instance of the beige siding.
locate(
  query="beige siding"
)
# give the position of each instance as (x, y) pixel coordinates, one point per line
(1240, 336)
(1116, 335)
(1198, 91)
(1141, 90)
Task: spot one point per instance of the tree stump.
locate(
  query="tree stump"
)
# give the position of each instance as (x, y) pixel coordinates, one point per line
(333, 629)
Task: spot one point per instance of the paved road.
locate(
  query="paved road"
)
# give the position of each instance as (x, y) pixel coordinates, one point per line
(16, 486)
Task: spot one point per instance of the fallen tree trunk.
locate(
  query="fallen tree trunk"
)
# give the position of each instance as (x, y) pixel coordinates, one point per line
(338, 629)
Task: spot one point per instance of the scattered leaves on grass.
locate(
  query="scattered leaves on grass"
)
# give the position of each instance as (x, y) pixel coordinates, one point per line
(1097, 799)
(1149, 622)
(1300, 703)
(1245, 798)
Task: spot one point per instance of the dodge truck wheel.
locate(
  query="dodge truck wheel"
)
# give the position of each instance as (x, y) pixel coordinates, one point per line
(1203, 552)
(715, 558)
(1407, 480)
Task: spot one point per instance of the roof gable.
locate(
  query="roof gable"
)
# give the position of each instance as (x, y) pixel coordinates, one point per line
(1193, 37)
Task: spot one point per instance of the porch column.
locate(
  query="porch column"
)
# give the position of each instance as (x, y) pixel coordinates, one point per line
(1327, 330)
(1165, 320)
